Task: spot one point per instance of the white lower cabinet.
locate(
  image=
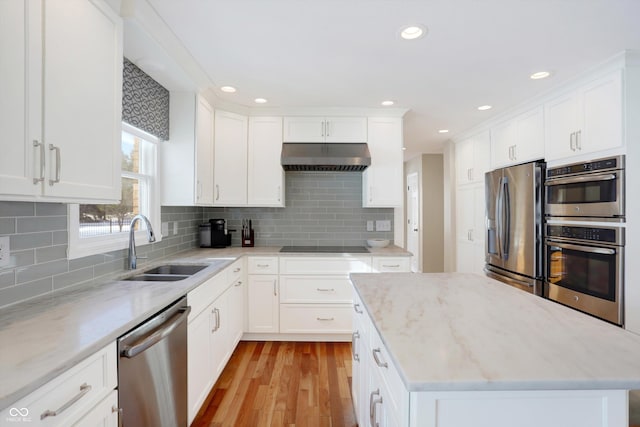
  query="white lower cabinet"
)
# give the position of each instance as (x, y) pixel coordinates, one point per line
(263, 309)
(214, 328)
(84, 395)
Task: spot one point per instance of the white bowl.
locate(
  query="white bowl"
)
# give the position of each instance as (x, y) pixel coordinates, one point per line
(377, 243)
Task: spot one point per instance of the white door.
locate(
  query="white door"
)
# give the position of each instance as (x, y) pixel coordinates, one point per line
(413, 220)
(263, 304)
(204, 153)
(266, 176)
(230, 159)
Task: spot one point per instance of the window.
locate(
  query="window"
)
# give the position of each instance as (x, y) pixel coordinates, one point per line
(101, 228)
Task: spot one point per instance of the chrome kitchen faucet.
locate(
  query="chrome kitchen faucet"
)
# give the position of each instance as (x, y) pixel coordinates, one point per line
(133, 259)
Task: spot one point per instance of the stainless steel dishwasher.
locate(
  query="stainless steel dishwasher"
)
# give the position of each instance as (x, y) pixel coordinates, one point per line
(152, 370)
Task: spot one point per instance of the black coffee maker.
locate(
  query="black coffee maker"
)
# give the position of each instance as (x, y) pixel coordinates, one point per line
(220, 236)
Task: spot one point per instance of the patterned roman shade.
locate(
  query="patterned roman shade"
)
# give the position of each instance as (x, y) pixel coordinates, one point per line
(145, 102)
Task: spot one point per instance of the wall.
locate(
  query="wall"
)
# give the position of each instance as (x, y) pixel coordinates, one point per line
(38, 240)
(429, 168)
(323, 208)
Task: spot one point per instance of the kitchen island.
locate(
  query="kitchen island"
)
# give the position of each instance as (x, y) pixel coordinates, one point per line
(462, 349)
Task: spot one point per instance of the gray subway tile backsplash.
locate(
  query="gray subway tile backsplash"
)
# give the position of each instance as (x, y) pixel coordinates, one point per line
(323, 208)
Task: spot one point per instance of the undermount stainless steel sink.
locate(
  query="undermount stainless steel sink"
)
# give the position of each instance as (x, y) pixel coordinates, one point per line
(167, 273)
(179, 269)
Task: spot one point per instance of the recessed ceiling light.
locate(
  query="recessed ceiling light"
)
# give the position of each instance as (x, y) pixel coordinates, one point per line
(260, 101)
(484, 107)
(387, 103)
(228, 89)
(404, 148)
(413, 32)
(443, 130)
(540, 75)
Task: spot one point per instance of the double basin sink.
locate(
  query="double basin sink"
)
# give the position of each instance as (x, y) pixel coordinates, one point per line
(168, 273)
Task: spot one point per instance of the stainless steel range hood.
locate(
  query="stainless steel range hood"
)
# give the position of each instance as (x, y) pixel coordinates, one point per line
(325, 157)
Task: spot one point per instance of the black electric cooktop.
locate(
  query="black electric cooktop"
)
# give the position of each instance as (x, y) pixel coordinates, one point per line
(325, 249)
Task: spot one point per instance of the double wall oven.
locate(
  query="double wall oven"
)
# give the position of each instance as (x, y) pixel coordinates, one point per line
(584, 239)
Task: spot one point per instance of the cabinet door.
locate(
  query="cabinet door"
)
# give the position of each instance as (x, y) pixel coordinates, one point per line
(230, 165)
(304, 129)
(265, 174)
(465, 218)
(345, 129)
(560, 126)
(82, 100)
(503, 139)
(529, 144)
(204, 153)
(236, 312)
(220, 333)
(200, 376)
(382, 181)
(21, 93)
(481, 159)
(602, 114)
(262, 304)
(464, 161)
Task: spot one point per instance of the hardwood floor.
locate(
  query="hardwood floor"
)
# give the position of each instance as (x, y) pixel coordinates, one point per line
(282, 384)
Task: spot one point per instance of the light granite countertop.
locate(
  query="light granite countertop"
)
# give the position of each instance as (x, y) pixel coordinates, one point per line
(45, 336)
(466, 332)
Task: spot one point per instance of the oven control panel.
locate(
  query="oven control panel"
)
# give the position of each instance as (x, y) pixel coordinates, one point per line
(593, 234)
(594, 166)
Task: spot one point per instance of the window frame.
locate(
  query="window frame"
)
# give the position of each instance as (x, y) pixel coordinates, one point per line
(81, 247)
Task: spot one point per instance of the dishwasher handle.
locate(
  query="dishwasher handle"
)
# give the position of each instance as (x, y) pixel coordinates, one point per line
(162, 332)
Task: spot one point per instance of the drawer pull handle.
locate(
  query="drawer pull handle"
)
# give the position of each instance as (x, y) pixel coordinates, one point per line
(238, 284)
(380, 363)
(237, 270)
(354, 338)
(372, 407)
(355, 307)
(391, 265)
(263, 265)
(84, 389)
(325, 289)
(325, 319)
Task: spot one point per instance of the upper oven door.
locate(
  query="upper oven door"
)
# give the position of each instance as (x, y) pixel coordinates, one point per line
(586, 195)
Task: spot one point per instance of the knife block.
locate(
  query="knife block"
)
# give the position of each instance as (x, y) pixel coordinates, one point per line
(248, 242)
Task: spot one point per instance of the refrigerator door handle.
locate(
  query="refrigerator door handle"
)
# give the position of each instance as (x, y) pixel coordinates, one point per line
(506, 203)
(499, 219)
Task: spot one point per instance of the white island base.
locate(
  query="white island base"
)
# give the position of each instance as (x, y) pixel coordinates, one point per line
(548, 408)
(462, 350)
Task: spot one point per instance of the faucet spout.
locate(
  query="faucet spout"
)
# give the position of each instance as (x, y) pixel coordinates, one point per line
(133, 259)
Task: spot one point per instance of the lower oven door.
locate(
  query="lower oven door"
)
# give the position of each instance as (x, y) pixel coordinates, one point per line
(585, 277)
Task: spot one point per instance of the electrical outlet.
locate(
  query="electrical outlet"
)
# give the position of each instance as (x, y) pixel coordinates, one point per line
(165, 229)
(4, 251)
(383, 225)
(369, 225)
(175, 227)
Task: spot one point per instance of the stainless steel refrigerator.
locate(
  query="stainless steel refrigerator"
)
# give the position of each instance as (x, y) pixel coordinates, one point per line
(514, 241)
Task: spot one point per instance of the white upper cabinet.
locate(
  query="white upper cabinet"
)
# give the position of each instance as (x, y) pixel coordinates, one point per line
(265, 174)
(230, 159)
(67, 76)
(325, 129)
(518, 140)
(382, 184)
(187, 158)
(586, 120)
(472, 158)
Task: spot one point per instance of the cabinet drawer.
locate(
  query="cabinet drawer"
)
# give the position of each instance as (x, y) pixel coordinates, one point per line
(263, 265)
(398, 397)
(315, 289)
(235, 271)
(325, 265)
(206, 293)
(391, 264)
(84, 386)
(315, 318)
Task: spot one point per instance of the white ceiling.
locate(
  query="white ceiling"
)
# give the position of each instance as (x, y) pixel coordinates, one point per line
(346, 53)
